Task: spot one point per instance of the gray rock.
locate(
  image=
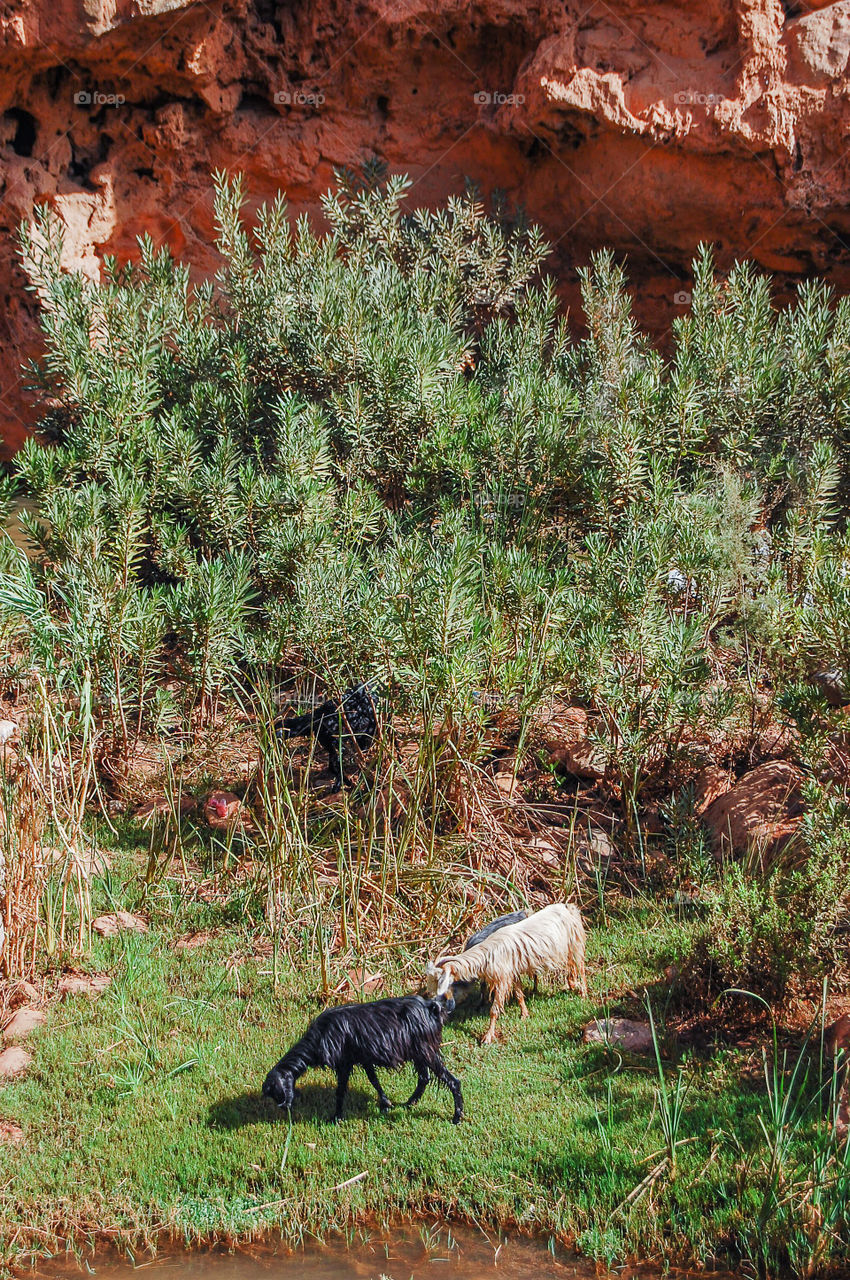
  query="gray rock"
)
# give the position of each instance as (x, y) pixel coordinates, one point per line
(833, 686)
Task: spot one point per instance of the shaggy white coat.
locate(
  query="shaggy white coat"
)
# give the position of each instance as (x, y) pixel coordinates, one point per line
(549, 941)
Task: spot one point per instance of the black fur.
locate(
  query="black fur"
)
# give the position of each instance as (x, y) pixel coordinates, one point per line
(513, 917)
(463, 990)
(335, 723)
(380, 1033)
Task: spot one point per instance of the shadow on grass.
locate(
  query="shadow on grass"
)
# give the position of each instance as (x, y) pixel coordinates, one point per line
(471, 1010)
(316, 1102)
(240, 1111)
(551, 1017)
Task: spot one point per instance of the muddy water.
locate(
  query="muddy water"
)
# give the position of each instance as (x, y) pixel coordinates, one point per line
(414, 1253)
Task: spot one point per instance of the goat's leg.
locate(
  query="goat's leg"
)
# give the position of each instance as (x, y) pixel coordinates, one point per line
(577, 976)
(421, 1083)
(335, 766)
(342, 1076)
(441, 1073)
(383, 1101)
(520, 996)
(495, 1009)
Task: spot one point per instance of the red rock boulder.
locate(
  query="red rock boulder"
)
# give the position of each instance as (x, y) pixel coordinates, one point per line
(836, 1043)
(567, 744)
(709, 784)
(762, 811)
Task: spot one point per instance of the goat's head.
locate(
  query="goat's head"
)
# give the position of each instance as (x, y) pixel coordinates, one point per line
(280, 1087)
(433, 974)
(438, 980)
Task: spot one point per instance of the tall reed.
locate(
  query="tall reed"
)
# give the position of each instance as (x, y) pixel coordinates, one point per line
(47, 858)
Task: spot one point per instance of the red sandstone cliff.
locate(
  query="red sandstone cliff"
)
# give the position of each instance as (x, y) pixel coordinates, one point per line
(643, 124)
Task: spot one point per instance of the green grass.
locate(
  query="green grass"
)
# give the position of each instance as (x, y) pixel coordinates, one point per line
(142, 1112)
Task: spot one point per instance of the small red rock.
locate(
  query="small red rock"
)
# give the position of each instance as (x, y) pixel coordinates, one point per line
(620, 1033)
(191, 941)
(161, 805)
(567, 744)
(361, 981)
(83, 984)
(23, 992)
(836, 1043)
(507, 785)
(118, 921)
(87, 862)
(23, 1023)
(13, 1062)
(709, 785)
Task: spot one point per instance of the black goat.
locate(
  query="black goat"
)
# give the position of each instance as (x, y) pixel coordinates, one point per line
(380, 1033)
(513, 917)
(334, 724)
(463, 990)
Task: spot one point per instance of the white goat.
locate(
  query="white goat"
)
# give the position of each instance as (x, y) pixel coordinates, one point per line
(549, 941)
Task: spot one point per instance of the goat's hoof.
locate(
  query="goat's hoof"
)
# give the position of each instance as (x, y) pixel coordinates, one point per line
(336, 1119)
(457, 1119)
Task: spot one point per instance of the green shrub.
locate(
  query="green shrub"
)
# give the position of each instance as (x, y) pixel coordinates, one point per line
(379, 451)
(768, 924)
